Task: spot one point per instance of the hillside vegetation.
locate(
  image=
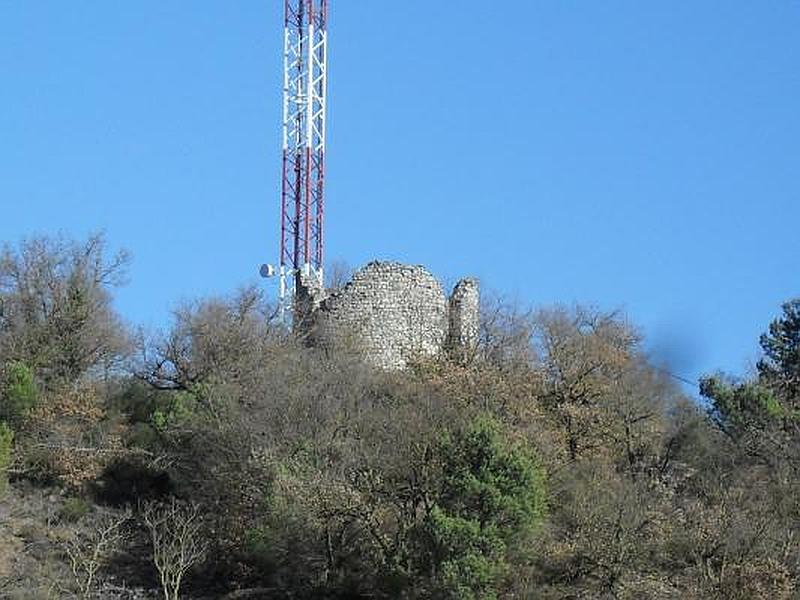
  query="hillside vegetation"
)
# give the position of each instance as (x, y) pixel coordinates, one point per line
(221, 458)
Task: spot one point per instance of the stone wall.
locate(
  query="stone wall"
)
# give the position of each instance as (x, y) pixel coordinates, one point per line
(393, 312)
(464, 319)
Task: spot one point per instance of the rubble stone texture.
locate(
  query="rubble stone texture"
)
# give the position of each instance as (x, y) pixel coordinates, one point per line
(464, 325)
(393, 312)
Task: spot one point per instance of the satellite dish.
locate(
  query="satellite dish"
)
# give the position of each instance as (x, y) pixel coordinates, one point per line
(267, 271)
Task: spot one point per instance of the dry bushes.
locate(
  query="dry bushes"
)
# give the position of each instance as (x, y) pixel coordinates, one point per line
(68, 437)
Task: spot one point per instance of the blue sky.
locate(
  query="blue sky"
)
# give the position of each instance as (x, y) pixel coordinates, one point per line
(635, 155)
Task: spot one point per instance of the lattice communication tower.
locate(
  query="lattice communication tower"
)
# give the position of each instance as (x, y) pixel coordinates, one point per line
(303, 175)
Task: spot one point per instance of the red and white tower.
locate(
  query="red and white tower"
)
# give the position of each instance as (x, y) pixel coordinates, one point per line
(304, 113)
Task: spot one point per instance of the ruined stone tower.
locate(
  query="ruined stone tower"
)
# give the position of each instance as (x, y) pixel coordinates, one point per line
(463, 324)
(392, 312)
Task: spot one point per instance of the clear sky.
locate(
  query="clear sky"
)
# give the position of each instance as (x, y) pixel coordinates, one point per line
(634, 155)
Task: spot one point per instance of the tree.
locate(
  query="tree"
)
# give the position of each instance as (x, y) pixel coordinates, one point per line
(739, 408)
(492, 495)
(780, 365)
(337, 274)
(176, 535)
(215, 339)
(89, 550)
(762, 415)
(753, 496)
(55, 306)
(583, 354)
(18, 391)
(505, 334)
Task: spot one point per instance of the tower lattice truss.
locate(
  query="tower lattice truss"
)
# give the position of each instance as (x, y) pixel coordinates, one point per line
(304, 113)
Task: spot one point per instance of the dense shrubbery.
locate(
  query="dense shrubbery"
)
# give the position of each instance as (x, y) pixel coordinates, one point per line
(557, 464)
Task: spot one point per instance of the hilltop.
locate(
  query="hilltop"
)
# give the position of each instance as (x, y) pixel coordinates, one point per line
(228, 457)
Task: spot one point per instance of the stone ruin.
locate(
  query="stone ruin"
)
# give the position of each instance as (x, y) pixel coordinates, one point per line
(392, 313)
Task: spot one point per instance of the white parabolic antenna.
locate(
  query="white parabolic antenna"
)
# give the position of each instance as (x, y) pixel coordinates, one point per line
(267, 271)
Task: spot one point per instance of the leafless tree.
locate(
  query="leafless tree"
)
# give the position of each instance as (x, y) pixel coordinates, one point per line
(176, 535)
(221, 338)
(506, 331)
(88, 552)
(55, 306)
(337, 274)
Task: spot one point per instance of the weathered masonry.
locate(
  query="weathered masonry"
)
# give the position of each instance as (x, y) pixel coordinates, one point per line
(392, 312)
